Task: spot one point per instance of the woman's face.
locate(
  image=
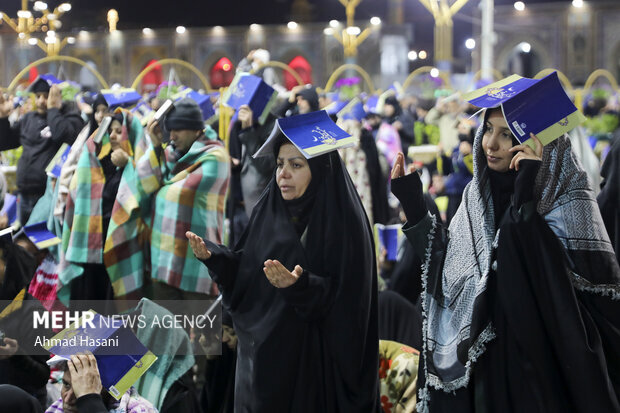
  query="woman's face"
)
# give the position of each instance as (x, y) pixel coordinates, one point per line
(293, 172)
(99, 112)
(496, 142)
(116, 134)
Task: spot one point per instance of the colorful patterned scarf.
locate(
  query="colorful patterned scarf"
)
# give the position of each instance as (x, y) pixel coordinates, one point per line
(82, 234)
(159, 200)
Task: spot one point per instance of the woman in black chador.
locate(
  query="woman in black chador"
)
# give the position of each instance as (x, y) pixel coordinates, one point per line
(520, 300)
(301, 288)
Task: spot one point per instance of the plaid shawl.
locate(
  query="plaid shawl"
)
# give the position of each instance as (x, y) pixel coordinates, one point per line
(160, 199)
(82, 234)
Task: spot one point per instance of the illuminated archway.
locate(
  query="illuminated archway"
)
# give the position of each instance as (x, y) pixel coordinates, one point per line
(36, 63)
(183, 63)
(349, 66)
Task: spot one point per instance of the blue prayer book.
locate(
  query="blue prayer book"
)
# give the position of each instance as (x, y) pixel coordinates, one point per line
(123, 97)
(372, 103)
(335, 107)
(353, 110)
(55, 166)
(203, 101)
(50, 78)
(10, 208)
(121, 358)
(388, 237)
(143, 112)
(538, 106)
(40, 236)
(251, 90)
(312, 133)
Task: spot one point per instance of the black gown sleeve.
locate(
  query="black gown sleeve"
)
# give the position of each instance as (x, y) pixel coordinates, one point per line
(311, 296)
(281, 110)
(91, 403)
(9, 135)
(408, 190)
(64, 128)
(223, 265)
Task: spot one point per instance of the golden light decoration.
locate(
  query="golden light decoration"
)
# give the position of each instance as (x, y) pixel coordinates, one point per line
(26, 24)
(442, 11)
(351, 36)
(112, 19)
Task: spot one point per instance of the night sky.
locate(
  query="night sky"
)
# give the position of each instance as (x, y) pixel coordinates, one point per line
(136, 14)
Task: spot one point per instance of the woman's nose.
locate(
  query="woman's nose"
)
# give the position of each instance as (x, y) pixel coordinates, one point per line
(284, 172)
(493, 142)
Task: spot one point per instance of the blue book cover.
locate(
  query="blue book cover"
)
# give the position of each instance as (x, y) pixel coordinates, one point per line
(371, 104)
(54, 167)
(312, 133)
(251, 90)
(121, 357)
(335, 107)
(40, 236)
(123, 97)
(203, 101)
(353, 110)
(10, 208)
(143, 112)
(388, 237)
(539, 106)
(50, 78)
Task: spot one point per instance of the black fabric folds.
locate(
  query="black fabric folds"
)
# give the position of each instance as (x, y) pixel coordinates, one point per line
(557, 348)
(609, 197)
(378, 181)
(15, 400)
(311, 347)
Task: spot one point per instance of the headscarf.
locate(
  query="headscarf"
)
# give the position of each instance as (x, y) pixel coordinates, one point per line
(15, 400)
(299, 208)
(454, 334)
(99, 100)
(20, 267)
(343, 333)
(312, 97)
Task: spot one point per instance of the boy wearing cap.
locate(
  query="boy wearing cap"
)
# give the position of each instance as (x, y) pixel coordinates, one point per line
(40, 133)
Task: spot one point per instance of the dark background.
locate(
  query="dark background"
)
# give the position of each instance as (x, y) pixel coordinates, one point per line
(136, 14)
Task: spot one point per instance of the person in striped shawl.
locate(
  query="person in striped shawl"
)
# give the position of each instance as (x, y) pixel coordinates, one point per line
(92, 194)
(168, 192)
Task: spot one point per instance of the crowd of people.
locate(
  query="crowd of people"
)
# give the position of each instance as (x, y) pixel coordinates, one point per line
(501, 294)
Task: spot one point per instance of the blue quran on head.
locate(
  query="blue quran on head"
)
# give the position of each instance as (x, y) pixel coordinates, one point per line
(312, 133)
(121, 97)
(538, 106)
(203, 101)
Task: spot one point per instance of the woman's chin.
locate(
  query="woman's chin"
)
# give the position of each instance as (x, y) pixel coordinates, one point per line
(498, 168)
